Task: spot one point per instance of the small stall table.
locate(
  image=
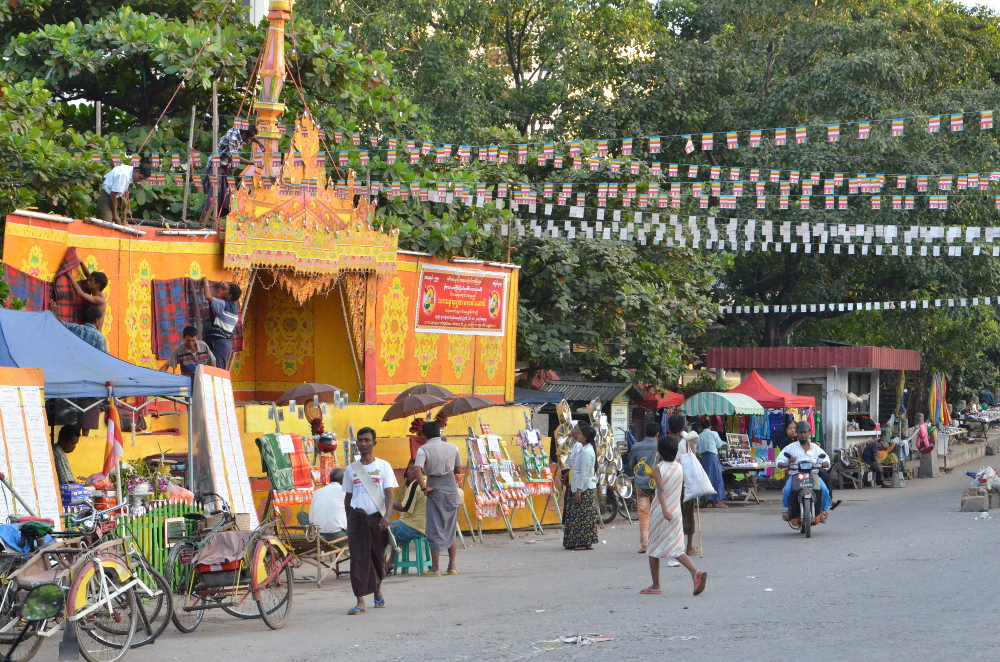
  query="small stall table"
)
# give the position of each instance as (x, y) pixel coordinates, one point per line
(749, 480)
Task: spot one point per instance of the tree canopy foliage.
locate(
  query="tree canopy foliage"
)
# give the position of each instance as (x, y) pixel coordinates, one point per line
(508, 71)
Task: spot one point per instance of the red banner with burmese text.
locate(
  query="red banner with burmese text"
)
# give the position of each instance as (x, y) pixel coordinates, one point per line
(461, 301)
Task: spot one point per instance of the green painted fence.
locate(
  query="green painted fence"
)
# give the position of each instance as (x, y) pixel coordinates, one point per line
(149, 533)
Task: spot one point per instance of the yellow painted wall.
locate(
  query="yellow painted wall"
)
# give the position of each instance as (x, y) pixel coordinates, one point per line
(393, 444)
(333, 359)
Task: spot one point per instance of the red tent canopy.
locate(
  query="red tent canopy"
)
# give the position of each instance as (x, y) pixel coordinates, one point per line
(668, 399)
(771, 396)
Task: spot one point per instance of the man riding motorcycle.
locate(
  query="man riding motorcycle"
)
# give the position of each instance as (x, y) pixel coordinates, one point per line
(803, 449)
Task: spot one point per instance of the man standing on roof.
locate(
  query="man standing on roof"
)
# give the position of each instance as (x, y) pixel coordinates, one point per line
(226, 313)
(229, 148)
(114, 191)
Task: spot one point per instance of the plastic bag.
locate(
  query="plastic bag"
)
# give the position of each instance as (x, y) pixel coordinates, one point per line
(988, 478)
(696, 481)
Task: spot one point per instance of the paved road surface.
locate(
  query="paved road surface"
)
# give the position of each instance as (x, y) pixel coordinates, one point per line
(895, 575)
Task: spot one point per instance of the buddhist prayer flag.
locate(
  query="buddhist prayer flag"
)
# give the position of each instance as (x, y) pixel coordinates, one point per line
(155, 160)
(727, 202)
(297, 159)
(759, 186)
(706, 142)
(732, 140)
(986, 120)
(633, 168)
(804, 202)
(933, 124)
(574, 149)
(338, 136)
(692, 171)
(793, 176)
(780, 137)
(688, 144)
(897, 127)
(897, 202)
(830, 200)
(864, 130)
(734, 173)
(908, 202)
(828, 187)
(838, 178)
(425, 148)
(392, 143)
(464, 153)
(841, 202)
(355, 138)
(754, 174)
(503, 156)
(615, 165)
(557, 162)
(672, 169)
(922, 183)
(363, 157)
(876, 202)
(654, 144)
(626, 146)
(594, 164)
(342, 158)
(944, 183)
(390, 156)
(738, 189)
(522, 154)
(775, 175)
(116, 159)
(373, 141)
(957, 124)
(801, 135)
(761, 202)
(782, 202)
(715, 172)
(135, 160)
(756, 135)
(178, 179)
(900, 181)
(832, 133)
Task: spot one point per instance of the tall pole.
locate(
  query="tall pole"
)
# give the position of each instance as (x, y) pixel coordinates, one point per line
(187, 170)
(215, 113)
(97, 112)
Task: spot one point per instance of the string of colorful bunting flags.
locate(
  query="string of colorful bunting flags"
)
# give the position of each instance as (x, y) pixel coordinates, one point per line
(857, 306)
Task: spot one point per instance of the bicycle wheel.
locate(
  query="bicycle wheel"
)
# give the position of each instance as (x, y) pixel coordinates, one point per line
(154, 611)
(11, 625)
(244, 605)
(272, 579)
(181, 576)
(103, 611)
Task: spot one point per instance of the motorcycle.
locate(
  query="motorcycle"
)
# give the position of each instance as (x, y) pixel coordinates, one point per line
(805, 477)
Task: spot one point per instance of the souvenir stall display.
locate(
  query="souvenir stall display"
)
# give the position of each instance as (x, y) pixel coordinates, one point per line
(495, 489)
(538, 474)
(525, 488)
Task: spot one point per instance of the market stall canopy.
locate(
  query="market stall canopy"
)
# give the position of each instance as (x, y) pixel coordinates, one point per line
(668, 399)
(527, 396)
(712, 403)
(73, 368)
(771, 396)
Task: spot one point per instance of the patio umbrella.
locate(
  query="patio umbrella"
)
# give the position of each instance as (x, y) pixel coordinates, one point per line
(304, 392)
(465, 405)
(427, 389)
(412, 404)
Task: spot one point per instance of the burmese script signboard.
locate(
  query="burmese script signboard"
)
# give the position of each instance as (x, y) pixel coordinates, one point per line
(461, 301)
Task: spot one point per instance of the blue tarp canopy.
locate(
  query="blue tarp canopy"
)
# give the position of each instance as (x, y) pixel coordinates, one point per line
(74, 369)
(526, 396)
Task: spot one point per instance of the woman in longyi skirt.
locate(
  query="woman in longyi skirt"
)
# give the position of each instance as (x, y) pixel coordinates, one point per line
(580, 514)
(666, 530)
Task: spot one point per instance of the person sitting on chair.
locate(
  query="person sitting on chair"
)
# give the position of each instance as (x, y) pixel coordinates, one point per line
(327, 509)
(412, 504)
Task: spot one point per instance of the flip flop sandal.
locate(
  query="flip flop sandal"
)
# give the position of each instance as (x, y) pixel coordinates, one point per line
(380, 604)
(784, 517)
(836, 503)
(354, 611)
(822, 518)
(699, 583)
(452, 572)
(650, 591)
(432, 574)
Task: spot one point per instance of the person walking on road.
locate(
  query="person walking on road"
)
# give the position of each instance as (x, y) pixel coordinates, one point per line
(642, 459)
(666, 532)
(580, 516)
(436, 464)
(368, 487)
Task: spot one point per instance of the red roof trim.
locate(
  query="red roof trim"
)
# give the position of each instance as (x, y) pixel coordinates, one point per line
(802, 358)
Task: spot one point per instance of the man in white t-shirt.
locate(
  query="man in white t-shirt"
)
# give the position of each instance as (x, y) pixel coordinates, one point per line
(111, 200)
(368, 502)
(327, 509)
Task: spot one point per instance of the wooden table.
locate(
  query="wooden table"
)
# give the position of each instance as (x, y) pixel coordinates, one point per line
(750, 479)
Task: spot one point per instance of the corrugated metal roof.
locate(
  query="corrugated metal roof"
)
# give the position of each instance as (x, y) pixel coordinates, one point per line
(711, 403)
(587, 391)
(792, 358)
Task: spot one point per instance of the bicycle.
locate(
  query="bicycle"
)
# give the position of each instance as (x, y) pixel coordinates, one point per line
(199, 584)
(100, 603)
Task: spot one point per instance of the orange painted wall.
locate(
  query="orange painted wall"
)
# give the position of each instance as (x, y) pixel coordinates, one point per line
(289, 342)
